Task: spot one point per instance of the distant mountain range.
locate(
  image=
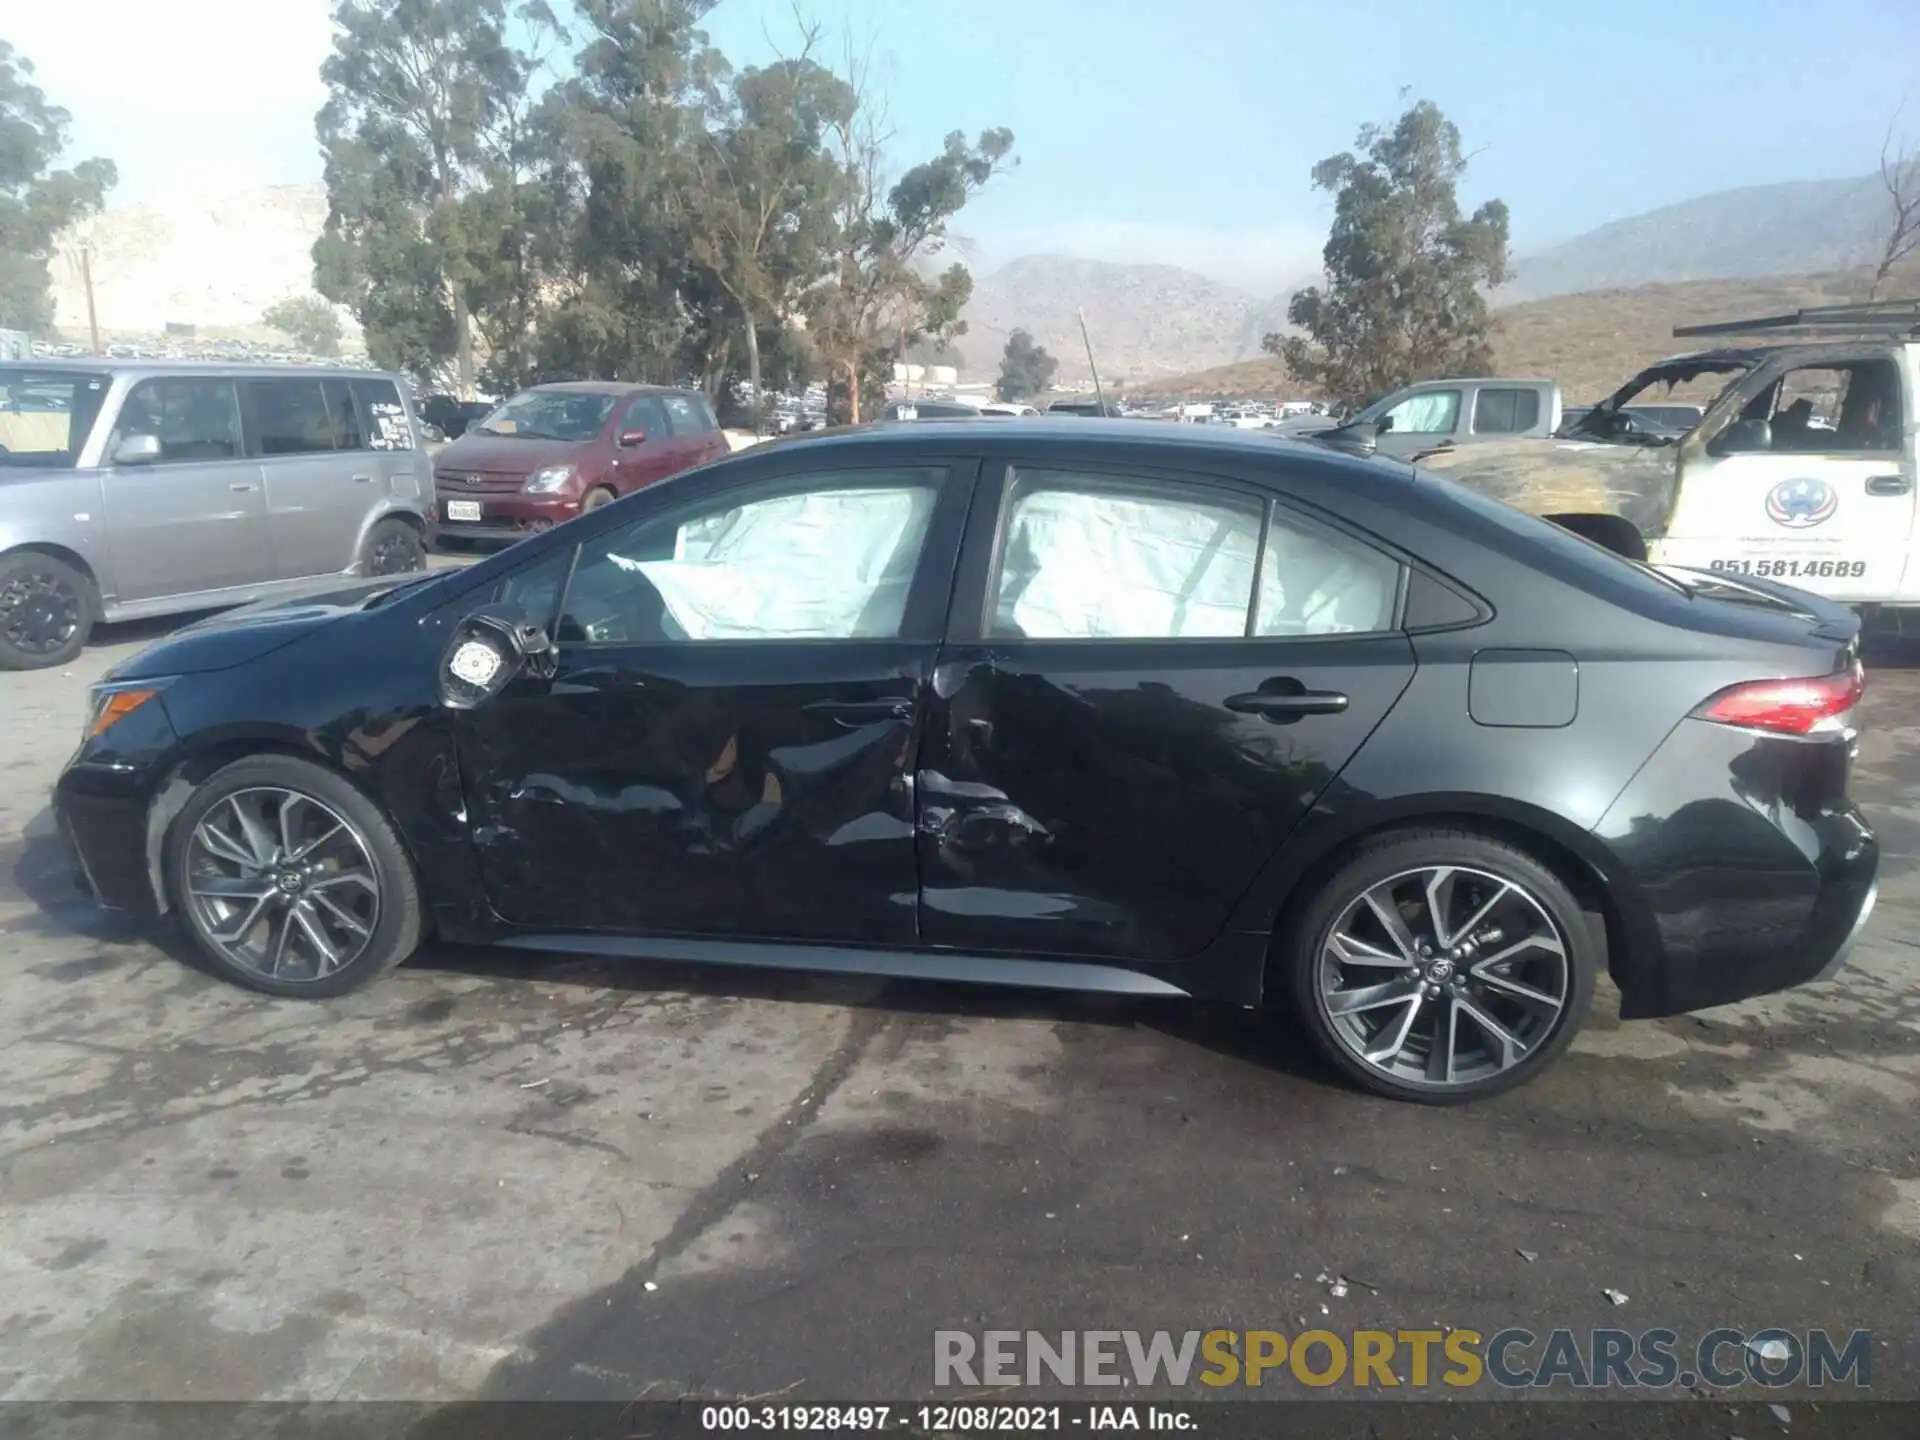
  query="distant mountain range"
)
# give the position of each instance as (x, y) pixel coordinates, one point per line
(220, 262)
(1799, 228)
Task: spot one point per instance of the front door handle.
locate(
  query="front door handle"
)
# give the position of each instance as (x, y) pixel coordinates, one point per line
(1280, 705)
(363, 479)
(240, 487)
(1888, 485)
(852, 714)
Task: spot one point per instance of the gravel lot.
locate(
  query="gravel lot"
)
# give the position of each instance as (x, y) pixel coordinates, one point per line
(497, 1175)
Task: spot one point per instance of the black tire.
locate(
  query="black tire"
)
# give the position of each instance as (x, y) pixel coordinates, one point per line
(46, 611)
(1535, 913)
(397, 922)
(392, 547)
(597, 497)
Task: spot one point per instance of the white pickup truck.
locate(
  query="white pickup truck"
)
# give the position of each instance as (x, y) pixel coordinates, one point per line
(1438, 414)
(1802, 468)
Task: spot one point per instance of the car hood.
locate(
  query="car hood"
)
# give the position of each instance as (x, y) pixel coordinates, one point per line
(1567, 477)
(234, 637)
(504, 455)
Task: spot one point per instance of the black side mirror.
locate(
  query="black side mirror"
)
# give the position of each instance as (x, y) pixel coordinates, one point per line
(1383, 424)
(490, 649)
(1743, 437)
(1359, 438)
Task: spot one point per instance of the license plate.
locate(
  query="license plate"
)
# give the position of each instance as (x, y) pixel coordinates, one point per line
(463, 509)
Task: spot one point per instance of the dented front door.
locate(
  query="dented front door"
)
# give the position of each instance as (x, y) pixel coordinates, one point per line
(687, 771)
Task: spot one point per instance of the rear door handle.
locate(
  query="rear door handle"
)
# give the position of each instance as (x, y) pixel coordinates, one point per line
(854, 713)
(1302, 702)
(1888, 485)
(363, 479)
(240, 486)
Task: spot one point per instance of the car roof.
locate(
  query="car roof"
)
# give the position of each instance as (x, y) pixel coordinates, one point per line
(1139, 442)
(610, 387)
(224, 369)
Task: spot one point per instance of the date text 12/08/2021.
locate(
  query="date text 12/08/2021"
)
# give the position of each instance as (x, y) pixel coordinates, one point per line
(1793, 569)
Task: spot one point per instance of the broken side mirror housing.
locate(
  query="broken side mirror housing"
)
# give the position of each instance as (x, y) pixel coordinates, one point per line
(1743, 437)
(490, 649)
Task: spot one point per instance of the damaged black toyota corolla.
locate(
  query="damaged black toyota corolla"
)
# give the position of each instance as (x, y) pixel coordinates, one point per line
(1088, 705)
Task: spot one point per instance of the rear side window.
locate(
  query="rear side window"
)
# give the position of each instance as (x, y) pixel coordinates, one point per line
(707, 422)
(384, 414)
(1505, 412)
(290, 417)
(192, 418)
(348, 432)
(1089, 558)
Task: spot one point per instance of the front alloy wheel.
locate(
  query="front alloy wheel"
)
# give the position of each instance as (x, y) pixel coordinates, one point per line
(292, 880)
(282, 885)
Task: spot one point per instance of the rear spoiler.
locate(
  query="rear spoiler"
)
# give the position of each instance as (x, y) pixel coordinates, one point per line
(1831, 619)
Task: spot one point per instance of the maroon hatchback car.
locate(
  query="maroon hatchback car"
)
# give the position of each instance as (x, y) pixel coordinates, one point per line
(555, 451)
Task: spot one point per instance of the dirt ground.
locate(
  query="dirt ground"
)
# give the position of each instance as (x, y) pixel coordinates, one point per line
(497, 1175)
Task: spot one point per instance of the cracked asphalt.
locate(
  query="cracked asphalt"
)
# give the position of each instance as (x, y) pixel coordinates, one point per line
(497, 1175)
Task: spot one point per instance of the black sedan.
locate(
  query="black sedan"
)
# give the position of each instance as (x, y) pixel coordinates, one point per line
(1077, 704)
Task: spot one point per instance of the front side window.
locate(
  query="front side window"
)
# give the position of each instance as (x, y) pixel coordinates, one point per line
(570, 415)
(684, 413)
(1840, 409)
(192, 418)
(1437, 412)
(829, 557)
(1087, 558)
(646, 415)
(46, 416)
(290, 417)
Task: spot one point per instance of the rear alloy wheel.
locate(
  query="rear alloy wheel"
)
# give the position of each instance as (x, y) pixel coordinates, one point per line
(291, 880)
(1442, 966)
(393, 547)
(595, 498)
(46, 611)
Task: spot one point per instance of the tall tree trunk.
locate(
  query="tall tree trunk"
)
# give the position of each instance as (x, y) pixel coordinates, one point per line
(853, 390)
(753, 366)
(463, 350)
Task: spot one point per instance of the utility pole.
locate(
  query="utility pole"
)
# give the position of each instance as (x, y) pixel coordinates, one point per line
(86, 279)
(1098, 393)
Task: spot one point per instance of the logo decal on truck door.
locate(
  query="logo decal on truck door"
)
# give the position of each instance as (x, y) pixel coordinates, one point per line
(1801, 504)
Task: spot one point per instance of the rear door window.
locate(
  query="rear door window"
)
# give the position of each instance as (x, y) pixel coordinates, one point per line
(348, 432)
(1505, 412)
(290, 417)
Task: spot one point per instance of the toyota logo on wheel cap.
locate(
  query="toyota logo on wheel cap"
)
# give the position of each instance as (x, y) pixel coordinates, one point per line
(1801, 504)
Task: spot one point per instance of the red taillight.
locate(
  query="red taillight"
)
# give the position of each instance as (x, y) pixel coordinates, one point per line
(1805, 706)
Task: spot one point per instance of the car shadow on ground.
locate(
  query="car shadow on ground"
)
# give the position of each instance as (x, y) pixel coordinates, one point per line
(1271, 1039)
(39, 871)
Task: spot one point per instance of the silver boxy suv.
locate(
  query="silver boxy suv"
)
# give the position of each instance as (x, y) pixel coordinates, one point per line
(132, 489)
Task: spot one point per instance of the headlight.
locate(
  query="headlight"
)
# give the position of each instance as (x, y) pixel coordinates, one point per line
(548, 480)
(108, 705)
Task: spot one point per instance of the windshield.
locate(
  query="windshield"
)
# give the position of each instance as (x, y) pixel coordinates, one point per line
(1693, 384)
(550, 415)
(46, 416)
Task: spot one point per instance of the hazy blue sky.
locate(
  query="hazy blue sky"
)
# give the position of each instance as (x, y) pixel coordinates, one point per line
(1174, 130)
